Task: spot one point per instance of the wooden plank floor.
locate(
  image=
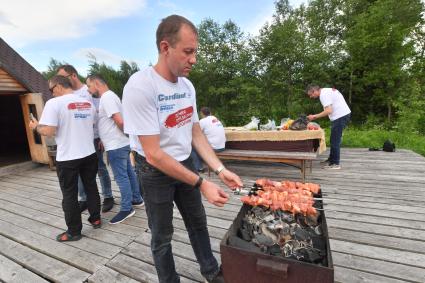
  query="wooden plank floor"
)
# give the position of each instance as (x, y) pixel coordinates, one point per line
(375, 210)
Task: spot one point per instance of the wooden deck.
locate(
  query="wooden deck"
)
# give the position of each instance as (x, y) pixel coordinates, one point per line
(375, 210)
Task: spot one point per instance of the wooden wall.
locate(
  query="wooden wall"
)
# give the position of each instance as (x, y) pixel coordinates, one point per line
(8, 84)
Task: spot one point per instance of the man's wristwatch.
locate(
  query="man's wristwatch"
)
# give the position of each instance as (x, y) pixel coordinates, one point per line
(219, 169)
(198, 183)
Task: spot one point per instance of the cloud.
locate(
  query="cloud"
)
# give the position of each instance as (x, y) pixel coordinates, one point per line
(266, 16)
(26, 21)
(101, 56)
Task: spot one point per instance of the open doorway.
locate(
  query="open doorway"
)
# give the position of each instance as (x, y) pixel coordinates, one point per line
(13, 139)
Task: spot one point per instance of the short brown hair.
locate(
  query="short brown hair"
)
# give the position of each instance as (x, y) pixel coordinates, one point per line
(61, 80)
(96, 77)
(312, 88)
(206, 111)
(69, 69)
(169, 28)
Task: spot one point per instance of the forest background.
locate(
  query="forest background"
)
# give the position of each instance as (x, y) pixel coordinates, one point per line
(370, 50)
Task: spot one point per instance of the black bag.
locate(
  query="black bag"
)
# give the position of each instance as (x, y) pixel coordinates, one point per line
(388, 146)
(300, 124)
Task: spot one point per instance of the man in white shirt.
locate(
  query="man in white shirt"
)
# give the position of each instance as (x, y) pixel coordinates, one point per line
(117, 146)
(214, 131)
(159, 106)
(80, 89)
(70, 119)
(339, 113)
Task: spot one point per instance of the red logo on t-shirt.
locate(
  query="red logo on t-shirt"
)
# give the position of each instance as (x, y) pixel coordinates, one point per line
(79, 106)
(179, 118)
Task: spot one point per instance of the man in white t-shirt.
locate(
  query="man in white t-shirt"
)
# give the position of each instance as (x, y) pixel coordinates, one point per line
(70, 119)
(80, 89)
(159, 106)
(214, 131)
(117, 146)
(338, 112)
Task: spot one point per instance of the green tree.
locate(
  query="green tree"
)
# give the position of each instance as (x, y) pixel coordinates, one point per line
(224, 76)
(116, 79)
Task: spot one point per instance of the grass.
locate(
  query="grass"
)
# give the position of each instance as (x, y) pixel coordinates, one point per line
(354, 137)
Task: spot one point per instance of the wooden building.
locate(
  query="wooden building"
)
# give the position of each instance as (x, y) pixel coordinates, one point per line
(23, 90)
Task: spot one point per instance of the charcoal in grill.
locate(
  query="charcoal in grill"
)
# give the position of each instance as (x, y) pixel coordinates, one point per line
(301, 234)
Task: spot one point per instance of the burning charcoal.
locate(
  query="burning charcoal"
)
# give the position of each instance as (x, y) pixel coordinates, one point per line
(313, 220)
(262, 240)
(285, 216)
(259, 212)
(286, 230)
(308, 255)
(289, 247)
(276, 225)
(301, 234)
(293, 226)
(318, 230)
(268, 233)
(245, 234)
(268, 218)
(319, 243)
(275, 250)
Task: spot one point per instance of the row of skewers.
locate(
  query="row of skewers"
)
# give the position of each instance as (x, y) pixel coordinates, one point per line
(294, 197)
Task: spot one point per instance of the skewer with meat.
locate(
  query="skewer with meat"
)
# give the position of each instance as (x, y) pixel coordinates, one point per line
(286, 184)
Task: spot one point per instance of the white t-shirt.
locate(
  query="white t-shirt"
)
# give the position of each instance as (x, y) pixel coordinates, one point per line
(154, 106)
(331, 96)
(112, 137)
(74, 117)
(214, 131)
(135, 143)
(84, 93)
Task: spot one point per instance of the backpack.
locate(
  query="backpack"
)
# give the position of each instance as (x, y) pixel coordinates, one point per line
(388, 146)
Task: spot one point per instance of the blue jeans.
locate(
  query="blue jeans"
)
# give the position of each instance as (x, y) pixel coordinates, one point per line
(102, 172)
(137, 167)
(124, 175)
(160, 191)
(337, 126)
(197, 160)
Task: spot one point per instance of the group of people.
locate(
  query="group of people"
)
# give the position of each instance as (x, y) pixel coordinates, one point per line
(86, 120)
(158, 121)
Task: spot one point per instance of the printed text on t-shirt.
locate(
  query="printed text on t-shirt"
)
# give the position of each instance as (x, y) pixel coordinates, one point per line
(179, 118)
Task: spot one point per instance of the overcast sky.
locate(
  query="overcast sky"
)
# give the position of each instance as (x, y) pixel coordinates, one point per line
(112, 30)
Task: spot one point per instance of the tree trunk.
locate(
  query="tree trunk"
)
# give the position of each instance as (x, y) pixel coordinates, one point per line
(389, 114)
(350, 92)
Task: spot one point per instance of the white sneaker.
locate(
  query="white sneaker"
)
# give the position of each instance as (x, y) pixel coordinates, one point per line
(332, 167)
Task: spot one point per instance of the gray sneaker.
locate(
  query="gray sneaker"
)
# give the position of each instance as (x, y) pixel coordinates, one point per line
(324, 162)
(332, 167)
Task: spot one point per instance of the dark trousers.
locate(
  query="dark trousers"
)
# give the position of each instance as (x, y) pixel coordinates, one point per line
(337, 126)
(160, 191)
(68, 172)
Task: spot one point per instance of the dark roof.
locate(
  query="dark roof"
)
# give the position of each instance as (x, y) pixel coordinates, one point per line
(22, 71)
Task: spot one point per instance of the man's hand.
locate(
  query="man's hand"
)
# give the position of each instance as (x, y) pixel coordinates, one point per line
(213, 193)
(100, 146)
(33, 124)
(230, 179)
(311, 117)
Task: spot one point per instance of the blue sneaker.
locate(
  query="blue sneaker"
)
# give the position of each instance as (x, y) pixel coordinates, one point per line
(121, 216)
(139, 204)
